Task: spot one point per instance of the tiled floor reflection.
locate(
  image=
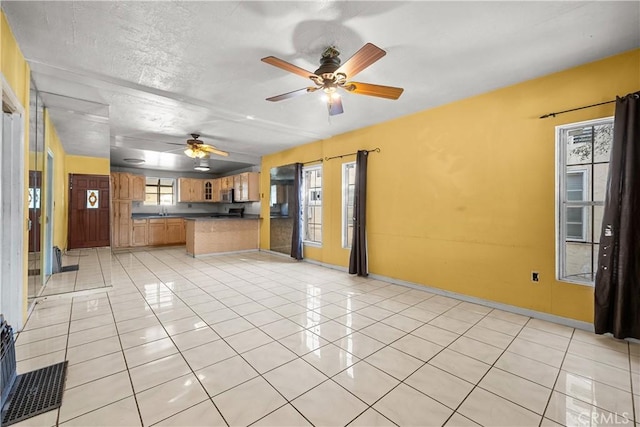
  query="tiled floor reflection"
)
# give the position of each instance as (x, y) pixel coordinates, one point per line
(94, 272)
(256, 338)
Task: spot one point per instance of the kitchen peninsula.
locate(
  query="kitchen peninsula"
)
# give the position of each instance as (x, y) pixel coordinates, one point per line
(216, 234)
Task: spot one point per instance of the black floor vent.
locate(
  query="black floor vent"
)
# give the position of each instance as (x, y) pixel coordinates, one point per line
(72, 267)
(34, 393)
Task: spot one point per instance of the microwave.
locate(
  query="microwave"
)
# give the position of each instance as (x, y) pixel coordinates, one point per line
(226, 196)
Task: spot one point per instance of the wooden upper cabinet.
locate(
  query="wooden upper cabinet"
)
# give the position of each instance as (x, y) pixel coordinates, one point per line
(197, 190)
(138, 184)
(246, 187)
(126, 186)
(122, 186)
(216, 190)
(226, 183)
(191, 190)
(207, 187)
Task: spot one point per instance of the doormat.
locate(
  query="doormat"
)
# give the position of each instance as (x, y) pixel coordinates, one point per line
(34, 393)
(72, 267)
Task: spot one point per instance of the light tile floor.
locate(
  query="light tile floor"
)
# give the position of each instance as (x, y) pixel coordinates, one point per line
(256, 338)
(93, 272)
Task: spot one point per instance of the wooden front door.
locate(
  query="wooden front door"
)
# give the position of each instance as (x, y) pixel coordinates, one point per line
(35, 188)
(88, 211)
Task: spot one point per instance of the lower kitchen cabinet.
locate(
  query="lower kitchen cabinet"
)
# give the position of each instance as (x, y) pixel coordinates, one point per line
(121, 224)
(174, 231)
(140, 235)
(157, 231)
(165, 231)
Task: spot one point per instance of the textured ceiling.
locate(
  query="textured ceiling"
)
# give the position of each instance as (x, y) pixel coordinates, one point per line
(131, 79)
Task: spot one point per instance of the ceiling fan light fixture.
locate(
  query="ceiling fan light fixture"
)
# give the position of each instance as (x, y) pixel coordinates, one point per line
(201, 165)
(195, 153)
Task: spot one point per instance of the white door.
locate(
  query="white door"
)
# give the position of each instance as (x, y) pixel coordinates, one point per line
(12, 219)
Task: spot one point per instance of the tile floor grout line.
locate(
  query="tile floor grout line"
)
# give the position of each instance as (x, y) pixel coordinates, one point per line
(553, 388)
(66, 349)
(186, 362)
(633, 401)
(482, 377)
(298, 357)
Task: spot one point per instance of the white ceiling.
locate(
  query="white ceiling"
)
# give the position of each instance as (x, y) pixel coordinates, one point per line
(128, 79)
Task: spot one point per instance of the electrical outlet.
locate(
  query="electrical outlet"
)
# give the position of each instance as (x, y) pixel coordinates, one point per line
(535, 276)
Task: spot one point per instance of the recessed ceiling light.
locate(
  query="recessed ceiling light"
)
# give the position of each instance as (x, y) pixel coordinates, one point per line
(134, 161)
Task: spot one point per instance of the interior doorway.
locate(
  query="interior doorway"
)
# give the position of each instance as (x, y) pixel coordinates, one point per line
(47, 251)
(12, 215)
(88, 211)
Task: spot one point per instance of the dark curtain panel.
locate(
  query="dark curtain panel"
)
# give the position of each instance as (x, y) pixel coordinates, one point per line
(296, 211)
(358, 259)
(617, 288)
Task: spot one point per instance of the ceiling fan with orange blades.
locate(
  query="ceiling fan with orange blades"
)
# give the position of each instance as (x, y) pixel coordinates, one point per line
(331, 76)
(197, 149)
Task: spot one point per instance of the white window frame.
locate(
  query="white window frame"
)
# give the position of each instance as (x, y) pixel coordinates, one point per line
(560, 204)
(305, 203)
(579, 204)
(174, 193)
(345, 203)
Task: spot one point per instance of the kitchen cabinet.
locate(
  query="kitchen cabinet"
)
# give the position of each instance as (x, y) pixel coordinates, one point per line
(245, 188)
(137, 188)
(174, 231)
(139, 235)
(125, 187)
(157, 233)
(226, 183)
(190, 190)
(122, 186)
(208, 194)
(166, 231)
(121, 223)
(216, 190)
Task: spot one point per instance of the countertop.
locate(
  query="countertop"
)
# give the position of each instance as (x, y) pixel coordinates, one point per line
(218, 218)
(213, 215)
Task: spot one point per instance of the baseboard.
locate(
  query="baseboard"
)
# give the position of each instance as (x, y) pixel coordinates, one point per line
(573, 323)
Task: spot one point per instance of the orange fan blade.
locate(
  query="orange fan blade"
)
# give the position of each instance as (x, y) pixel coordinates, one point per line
(367, 55)
(292, 94)
(277, 62)
(214, 150)
(369, 89)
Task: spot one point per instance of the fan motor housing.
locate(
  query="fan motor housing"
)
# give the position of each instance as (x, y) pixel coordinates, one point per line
(328, 65)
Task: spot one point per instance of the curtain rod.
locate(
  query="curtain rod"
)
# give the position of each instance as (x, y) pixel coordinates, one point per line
(576, 109)
(377, 150)
(312, 161)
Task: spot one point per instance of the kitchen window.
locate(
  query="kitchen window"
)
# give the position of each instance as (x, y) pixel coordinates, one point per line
(312, 204)
(348, 198)
(583, 152)
(159, 192)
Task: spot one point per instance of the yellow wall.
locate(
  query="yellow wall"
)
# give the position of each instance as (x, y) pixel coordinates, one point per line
(16, 72)
(462, 197)
(52, 143)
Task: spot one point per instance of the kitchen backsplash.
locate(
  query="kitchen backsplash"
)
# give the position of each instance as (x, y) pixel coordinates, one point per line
(195, 208)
